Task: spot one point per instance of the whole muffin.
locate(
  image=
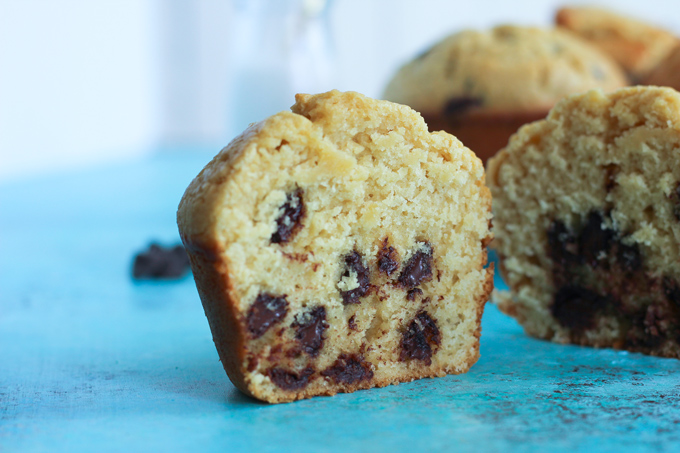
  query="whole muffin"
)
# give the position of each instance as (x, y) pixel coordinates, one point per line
(586, 210)
(340, 246)
(481, 86)
(637, 46)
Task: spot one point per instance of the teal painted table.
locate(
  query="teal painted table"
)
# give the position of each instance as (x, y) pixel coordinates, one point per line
(93, 361)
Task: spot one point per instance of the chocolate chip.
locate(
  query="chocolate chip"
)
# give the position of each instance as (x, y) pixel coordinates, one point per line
(159, 262)
(354, 264)
(289, 380)
(420, 338)
(266, 311)
(413, 293)
(671, 290)
(595, 240)
(675, 198)
(310, 328)
(575, 307)
(653, 322)
(418, 268)
(290, 220)
(349, 369)
(629, 257)
(460, 105)
(388, 262)
(562, 245)
(610, 176)
(647, 328)
(352, 323)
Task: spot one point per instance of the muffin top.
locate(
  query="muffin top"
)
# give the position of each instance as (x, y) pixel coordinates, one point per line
(507, 69)
(637, 46)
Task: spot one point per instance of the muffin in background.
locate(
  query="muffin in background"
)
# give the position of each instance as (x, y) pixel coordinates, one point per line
(637, 46)
(667, 73)
(481, 86)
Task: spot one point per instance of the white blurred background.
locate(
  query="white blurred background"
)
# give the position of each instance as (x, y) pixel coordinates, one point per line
(86, 83)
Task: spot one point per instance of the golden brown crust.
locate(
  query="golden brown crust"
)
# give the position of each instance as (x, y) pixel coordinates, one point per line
(211, 274)
(637, 46)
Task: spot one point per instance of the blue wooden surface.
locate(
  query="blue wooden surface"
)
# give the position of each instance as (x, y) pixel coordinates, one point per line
(92, 361)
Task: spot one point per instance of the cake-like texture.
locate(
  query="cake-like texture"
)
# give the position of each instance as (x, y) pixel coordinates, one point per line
(338, 247)
(587, 221)
(667, 73)
(637, 46)
(481, 86)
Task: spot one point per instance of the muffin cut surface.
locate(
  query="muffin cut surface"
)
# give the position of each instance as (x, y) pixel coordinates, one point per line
(587, 221)
(339, 247)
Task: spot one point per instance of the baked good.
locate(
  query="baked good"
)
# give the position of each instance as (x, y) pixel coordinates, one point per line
(340, 246)
(587, 221)
(481, 86)
(637, 46)
(667, 73)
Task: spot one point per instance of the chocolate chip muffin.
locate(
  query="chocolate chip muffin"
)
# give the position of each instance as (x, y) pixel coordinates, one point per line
(637, 46)
(587, 221)
(338, 247)
(481, 86)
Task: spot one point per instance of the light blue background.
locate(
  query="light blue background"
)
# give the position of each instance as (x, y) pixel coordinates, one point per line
(92, 361)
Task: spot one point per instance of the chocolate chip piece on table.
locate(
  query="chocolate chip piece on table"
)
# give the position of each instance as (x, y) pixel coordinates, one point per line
(160, 262)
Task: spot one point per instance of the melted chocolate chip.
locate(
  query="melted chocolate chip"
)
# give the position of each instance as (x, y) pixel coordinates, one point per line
(461, 105)
(671, 291)
(420, 338)
(647, 328)
(266, 311)
(562, 245)
(354, 263)
(418, 268)
(290, 220)
(413, 293)
(289, 380)
(629, 257)
(349, 369)
(352, 323)
(310, 328)
(675, 198)
(575, 307)
(387, 258)
(595, 240)
(653, 323)
(160, 262)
